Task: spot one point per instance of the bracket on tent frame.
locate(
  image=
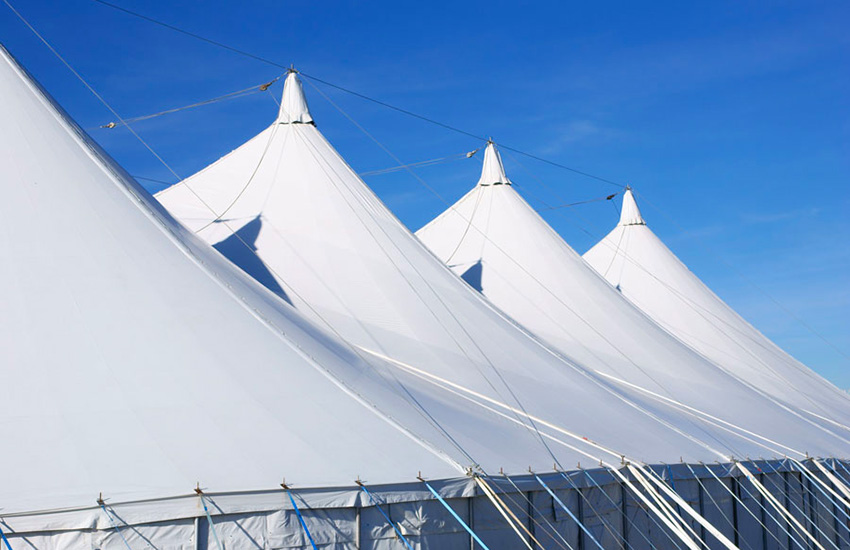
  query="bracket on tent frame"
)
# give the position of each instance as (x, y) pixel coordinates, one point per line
(100, 501)
(198, 490)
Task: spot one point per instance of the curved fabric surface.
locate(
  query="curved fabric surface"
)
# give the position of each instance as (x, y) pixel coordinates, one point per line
(138, 361)
(633, 259)
(493, 239)
(288, 209)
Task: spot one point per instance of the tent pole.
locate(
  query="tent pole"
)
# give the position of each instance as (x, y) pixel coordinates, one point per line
(813, 517)
(786, 500)
(762, 515)
(470, 504)
(530, 512)
(580, 513)
(357, 527)
(736, 491)
(701, 504)
(624, 517)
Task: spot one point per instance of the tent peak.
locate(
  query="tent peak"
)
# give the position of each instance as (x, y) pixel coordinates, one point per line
(493, 172)
(630, 214)
(293, 105)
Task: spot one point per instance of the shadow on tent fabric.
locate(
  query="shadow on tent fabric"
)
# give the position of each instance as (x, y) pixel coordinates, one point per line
(234, 249)
(472, 276)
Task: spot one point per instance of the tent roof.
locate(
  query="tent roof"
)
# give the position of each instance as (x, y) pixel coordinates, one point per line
(495, 241)
(288, 209)
(634, 259)
(139, 361)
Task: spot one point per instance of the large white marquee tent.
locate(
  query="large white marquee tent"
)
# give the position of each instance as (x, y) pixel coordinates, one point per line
(138, 363)
(399, 408)
(288, 209)
(494, 240)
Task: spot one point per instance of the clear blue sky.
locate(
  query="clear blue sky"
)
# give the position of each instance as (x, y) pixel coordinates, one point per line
(732, 118)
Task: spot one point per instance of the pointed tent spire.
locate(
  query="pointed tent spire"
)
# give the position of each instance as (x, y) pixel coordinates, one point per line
(293, 105)
(630, 214)
(383, 290)
(649, 274)
(493, 173)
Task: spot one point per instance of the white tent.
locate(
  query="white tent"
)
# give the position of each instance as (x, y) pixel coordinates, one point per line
(122, 334)
(494, 240)
(138, 361)
(637, 263)
(289, 210)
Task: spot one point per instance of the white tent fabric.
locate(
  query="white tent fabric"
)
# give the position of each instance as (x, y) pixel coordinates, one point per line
(139, 361)
(636, 262)
(493, 172)
(288, 209)
(494, 240)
